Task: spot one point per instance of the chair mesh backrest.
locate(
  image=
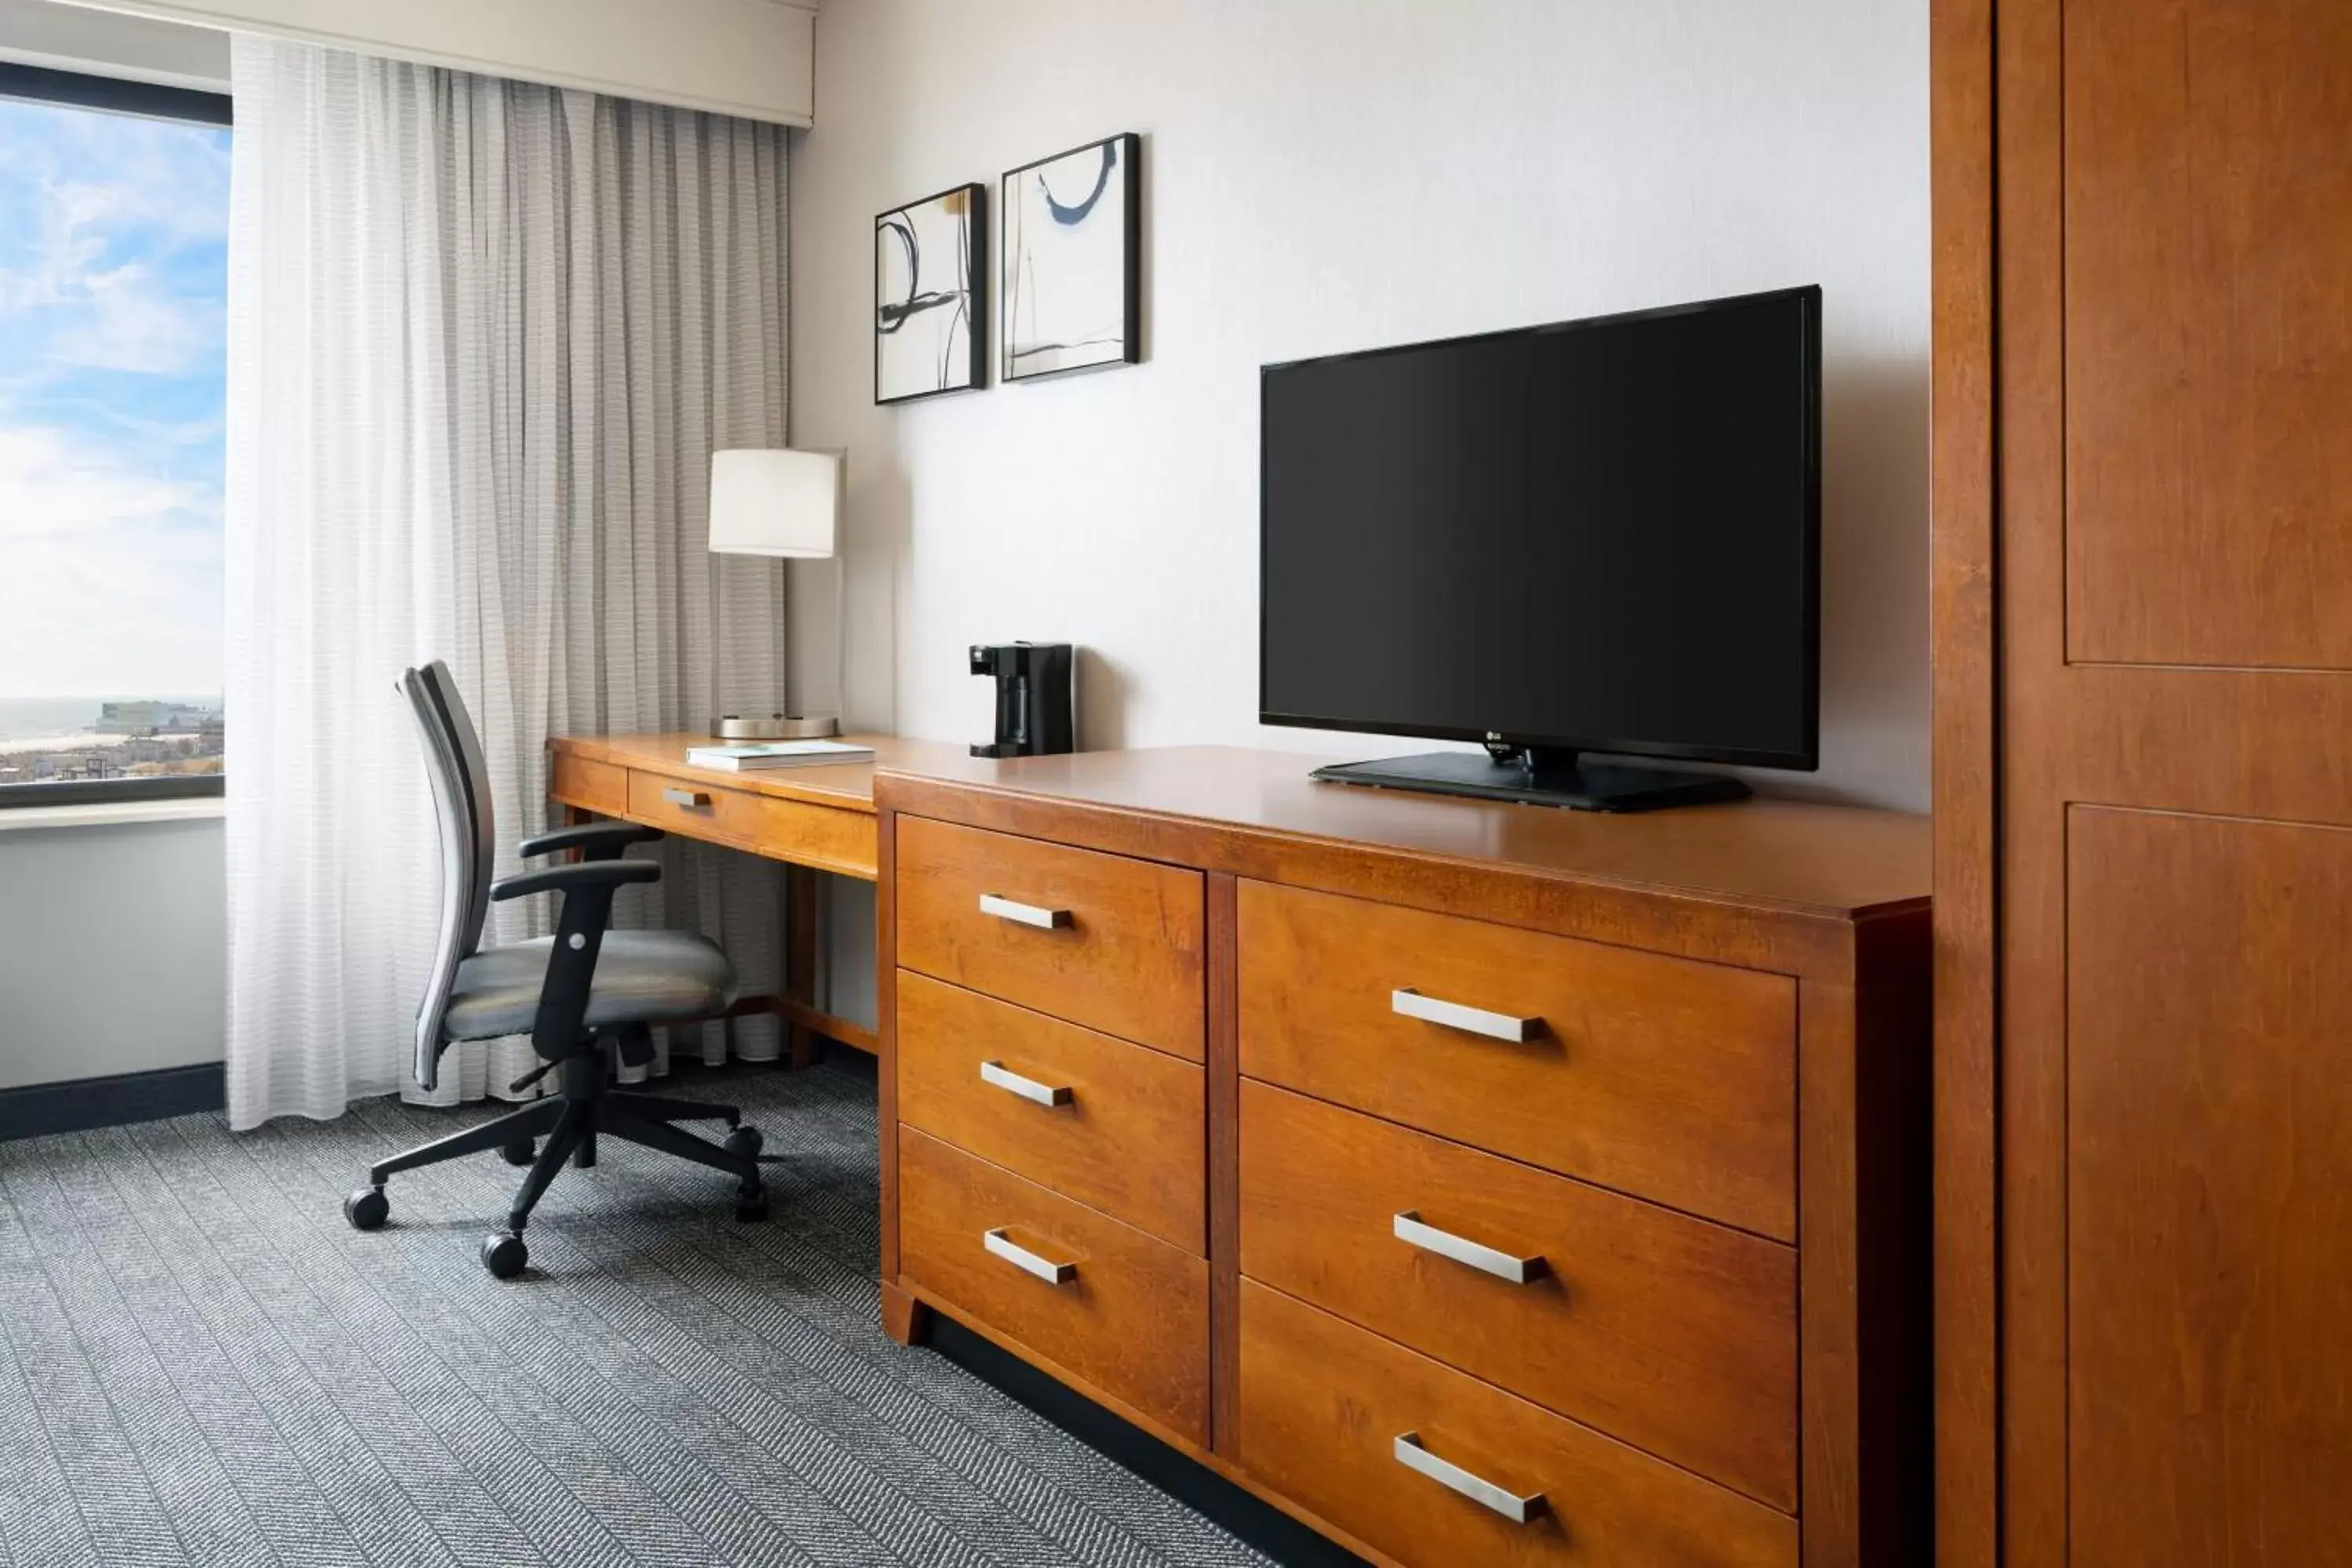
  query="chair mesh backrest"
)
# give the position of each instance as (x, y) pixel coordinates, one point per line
(461, 807)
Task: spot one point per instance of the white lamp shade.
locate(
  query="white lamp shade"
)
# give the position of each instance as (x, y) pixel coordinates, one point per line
(770, 502)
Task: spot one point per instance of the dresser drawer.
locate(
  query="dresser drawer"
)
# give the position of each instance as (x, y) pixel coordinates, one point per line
(1101, 940)
(1664, 1078)
(1326, 1411)
(1120, 1128)
(1675, 1334)
(1131, 1314)
(820, 835)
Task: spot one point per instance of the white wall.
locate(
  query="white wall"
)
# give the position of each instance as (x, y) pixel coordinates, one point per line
(1330, 175)
(76, 38)
(748, 57)
(113, 949)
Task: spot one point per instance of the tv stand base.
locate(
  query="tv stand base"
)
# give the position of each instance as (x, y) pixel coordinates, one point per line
(1540, 776)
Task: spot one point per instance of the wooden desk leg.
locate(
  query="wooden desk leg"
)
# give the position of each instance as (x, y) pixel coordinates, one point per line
(903, 1318)
(799, 959)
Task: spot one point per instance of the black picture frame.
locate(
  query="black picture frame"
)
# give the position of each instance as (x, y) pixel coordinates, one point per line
(974, 365)
(1126, 165)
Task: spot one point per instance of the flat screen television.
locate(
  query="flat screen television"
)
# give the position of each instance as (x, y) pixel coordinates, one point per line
(1601, 535)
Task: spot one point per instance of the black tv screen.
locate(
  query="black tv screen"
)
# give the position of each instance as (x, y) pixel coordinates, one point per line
(1601, 535)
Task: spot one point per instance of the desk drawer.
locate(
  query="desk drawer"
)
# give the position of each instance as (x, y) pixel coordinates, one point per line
(1131, 1317)
(819, 836)
(1101, 940)
(1664, 1078)
(1677, 1335)
(1127, 1133)
(1323, 1404)
(592, 785)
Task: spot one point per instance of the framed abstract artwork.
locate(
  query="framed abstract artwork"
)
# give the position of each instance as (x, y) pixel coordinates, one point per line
(930, 309)
(1070, 293)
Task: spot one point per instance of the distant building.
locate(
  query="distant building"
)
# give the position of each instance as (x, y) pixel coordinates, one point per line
(150, 718)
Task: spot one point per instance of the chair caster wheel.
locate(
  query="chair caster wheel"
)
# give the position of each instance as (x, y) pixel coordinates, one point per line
(753, 1205)
(367, 1208)
(504, 1253)
(746, 1142)
(521, 1152)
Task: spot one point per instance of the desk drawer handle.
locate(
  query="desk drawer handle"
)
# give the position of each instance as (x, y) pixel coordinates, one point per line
(1477, 1489)
(1011, 1082)
(1023, 914)
(1026, 1261)
(1462, 1249)
(692, 799)
(1412, 1004)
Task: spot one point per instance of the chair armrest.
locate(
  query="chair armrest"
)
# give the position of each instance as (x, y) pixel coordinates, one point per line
(601, 874)
(587, 887)
(600, 840)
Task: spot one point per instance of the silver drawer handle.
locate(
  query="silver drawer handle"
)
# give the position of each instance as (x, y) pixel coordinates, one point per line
(1012, 1082)
(689, 798)
(1478, 1490)
(1462, 1249)
(1024, 914)
(1455, 1015)
(1026, 1261)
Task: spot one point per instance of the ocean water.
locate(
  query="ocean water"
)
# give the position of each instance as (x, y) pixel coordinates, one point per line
(50, 718)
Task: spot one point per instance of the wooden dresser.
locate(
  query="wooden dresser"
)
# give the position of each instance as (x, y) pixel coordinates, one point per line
(1477, 1182)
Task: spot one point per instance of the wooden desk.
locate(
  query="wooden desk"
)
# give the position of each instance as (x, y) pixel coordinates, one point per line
(811, 819)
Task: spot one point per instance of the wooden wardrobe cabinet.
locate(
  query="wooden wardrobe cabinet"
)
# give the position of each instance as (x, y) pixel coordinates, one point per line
(2143, 671)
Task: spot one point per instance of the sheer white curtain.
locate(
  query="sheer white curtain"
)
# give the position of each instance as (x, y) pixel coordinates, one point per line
(483, 338)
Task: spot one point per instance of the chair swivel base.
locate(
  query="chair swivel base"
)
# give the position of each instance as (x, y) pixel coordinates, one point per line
(570, 1124)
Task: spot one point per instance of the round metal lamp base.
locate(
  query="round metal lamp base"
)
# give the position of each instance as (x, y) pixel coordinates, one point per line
(774, 727)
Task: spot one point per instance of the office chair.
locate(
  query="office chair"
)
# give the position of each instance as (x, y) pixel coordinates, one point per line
(579, 993)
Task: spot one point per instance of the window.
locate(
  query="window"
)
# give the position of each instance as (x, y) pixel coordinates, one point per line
(114, 296)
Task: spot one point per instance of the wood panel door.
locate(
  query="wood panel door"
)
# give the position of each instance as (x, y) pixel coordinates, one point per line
(2207, 183)
(2156, 287)
(2209, 1012)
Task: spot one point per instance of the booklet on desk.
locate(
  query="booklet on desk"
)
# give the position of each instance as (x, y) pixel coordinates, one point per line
(749, 757)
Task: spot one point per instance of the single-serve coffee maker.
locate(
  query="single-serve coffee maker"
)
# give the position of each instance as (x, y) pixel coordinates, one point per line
(1036, 697)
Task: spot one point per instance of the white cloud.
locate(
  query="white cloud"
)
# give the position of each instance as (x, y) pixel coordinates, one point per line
(110, 576)
(157, 174)
(95, 269)
(144, 617)
(135, 322)
(53, 482)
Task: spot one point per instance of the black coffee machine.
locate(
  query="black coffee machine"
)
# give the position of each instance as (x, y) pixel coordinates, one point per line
(1036, 697)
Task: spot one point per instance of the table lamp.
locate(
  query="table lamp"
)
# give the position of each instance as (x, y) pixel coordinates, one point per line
(785, 505)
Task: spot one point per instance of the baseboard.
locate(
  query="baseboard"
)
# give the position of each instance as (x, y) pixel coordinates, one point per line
(77, 1105)
(36, 1110)
(1257, 1522)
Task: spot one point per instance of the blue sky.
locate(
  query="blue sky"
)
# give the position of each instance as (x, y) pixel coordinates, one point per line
(113, 279)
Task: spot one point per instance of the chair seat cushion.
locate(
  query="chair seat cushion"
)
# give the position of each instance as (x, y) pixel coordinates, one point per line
(642, 977)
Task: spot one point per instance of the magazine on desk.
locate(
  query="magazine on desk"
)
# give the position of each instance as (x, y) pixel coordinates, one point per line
(760, 755)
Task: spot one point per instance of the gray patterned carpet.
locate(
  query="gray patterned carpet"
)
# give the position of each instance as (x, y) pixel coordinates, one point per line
(201, 1363)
